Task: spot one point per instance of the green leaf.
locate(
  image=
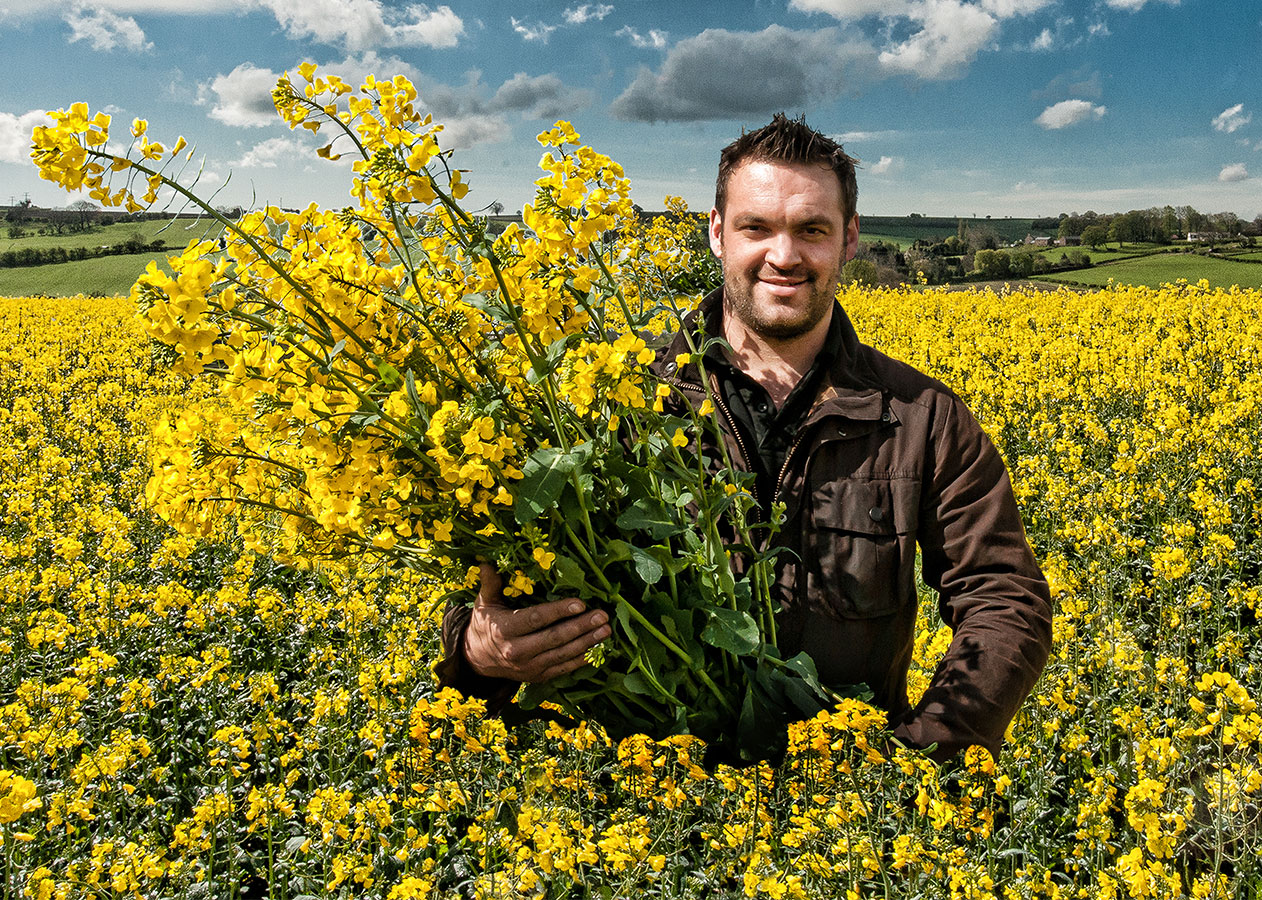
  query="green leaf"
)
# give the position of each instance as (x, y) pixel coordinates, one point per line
(648, 568)
(543, 478)
(650, 517)
(627, 623)
(732, 631)
(409, 381)
(389, 375)
(637, 684)
(569, 574)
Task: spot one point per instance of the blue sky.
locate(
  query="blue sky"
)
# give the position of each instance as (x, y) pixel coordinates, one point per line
(954, 107)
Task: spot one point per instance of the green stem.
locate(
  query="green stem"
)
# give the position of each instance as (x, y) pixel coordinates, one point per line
(616, 596)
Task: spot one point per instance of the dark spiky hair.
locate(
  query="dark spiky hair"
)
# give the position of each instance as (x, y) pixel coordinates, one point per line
(788, 141)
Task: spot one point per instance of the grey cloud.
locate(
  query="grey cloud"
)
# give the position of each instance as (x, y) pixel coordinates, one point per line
(722, 74)
(470, 118)
(540, 96)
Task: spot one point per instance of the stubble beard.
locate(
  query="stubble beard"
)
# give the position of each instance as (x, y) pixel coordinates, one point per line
(738, 296)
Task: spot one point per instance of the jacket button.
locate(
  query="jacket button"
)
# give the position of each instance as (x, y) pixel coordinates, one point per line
(885, 417)
(877, 514)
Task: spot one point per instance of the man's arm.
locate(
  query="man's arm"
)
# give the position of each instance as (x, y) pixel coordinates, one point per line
(991, 593)
(491, 648)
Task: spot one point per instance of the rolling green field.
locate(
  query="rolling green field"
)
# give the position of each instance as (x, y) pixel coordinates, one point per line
(110, 276)
(936, 228)
(175, 233)
(902, 240)
(1162, 268)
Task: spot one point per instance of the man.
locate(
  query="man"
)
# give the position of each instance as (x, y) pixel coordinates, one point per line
(869, 457)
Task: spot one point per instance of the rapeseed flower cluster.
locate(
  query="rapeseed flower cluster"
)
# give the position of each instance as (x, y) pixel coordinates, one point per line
(392, 379)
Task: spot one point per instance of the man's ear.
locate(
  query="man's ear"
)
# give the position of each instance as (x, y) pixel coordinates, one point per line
(716, 233)
(852, 238)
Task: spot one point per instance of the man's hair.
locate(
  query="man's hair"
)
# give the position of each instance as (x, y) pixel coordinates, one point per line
(788, 140)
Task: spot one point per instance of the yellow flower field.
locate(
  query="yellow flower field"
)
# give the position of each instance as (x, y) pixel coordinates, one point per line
(186, 719)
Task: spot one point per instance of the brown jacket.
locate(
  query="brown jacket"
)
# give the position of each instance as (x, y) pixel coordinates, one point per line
(887, 459)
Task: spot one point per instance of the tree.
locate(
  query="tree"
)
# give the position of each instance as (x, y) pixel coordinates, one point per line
(1094, 236)
(991, 263)
(1021, 263)
(859, 271)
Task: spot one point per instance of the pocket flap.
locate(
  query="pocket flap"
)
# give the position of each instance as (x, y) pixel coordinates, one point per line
(867, 505)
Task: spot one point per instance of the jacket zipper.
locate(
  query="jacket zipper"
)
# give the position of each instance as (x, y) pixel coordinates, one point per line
(727, 415)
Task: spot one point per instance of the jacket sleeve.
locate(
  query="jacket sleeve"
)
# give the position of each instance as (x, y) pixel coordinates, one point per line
(991, 591)
(454, 671)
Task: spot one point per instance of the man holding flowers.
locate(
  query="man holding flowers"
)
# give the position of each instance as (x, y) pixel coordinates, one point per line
(858, 458)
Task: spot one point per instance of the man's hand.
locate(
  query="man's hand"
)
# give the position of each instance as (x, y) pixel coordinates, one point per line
(534, 643)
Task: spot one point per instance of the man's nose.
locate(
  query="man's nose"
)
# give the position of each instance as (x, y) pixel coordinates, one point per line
(783, 252)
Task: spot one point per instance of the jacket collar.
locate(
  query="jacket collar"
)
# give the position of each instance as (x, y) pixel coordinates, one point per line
(850, 389)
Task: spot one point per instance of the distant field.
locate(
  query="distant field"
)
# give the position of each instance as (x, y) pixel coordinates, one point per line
(902, 240)
(1162, 268)
(175, 234)
(109, 275)
(936, 228)
(1104, 253)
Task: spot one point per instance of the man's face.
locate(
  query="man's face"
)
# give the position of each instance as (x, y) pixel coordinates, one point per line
(783, 239)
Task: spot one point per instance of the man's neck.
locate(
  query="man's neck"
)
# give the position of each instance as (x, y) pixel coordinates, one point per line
(778, 365)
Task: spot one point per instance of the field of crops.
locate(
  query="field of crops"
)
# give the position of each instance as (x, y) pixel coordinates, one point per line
(1157, 269)
(185, 719)
(108, 276)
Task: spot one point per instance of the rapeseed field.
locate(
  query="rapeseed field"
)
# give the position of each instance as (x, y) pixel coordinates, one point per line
(181, 717)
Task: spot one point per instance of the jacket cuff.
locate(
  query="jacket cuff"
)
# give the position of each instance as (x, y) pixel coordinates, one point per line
(454, 671)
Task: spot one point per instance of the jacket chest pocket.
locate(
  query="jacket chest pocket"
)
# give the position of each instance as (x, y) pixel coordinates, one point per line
(859, 548)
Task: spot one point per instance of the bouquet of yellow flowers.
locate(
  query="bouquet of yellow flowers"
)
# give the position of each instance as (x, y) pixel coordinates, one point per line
(395, 379)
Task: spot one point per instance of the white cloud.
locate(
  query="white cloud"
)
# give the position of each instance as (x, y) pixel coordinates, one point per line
(1135, 5)
(1232, 118)
(1005, 9)
(854, 9)
(243, 97)
(945, 35)
(886, 165)
(859, 137)
(1069, 112)
(654, 40)
(15, 135)
(1044, 41)
(1098, 29)
(846, 10)
(19, 8)
(365, 24)
(274, 152)
(587, 12)
(353, 24)
(1234, 172)
(536, 32)
(951, 35)
(105, 30)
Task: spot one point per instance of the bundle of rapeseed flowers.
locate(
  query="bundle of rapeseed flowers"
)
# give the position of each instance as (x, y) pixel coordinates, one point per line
(394, 379)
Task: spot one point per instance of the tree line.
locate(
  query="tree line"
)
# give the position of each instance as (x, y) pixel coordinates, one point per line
(1155, 225)
(39, 256)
